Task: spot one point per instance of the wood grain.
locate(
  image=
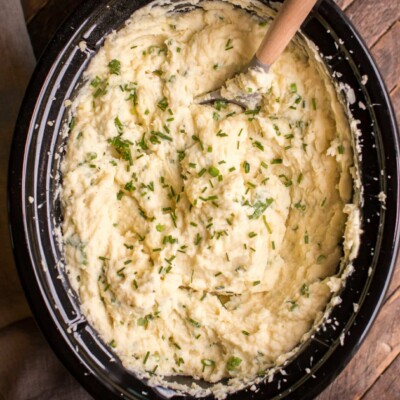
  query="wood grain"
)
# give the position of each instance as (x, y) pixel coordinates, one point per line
(343, 4)
(386, 387)
(395, 96)
(378, 351)
(31, 7)
(373, 18)
(386, 52)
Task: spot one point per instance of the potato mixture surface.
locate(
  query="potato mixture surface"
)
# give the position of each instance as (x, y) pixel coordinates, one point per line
(204, 240)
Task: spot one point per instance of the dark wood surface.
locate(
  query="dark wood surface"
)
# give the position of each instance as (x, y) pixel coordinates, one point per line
(374, 371)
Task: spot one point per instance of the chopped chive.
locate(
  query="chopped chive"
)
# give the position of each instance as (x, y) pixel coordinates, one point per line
(246, 167)
(194, 323)
(221, 134)
(267, 225)
(255, 283)
(213, 171)
(258, 145)
(202, 172)
(207, 363)
(163, 104)
(115, 67)
(146, 357)
(300, 178)
(160, 227)
(314, 103)
(293, 87)
(293, 305)
(198, 239)
(276, 161)
(228, 45)
(233, 363)
(305, 290)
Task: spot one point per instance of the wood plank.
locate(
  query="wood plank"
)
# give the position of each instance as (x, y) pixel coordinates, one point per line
(395, 283)
(45, 23)
(387, 387)
(373, 18)
(31, 7)
(378, 351)
(395, 96)
(387, 55)
(343, 4)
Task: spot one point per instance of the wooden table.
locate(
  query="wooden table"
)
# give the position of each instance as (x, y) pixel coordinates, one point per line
(374, 372)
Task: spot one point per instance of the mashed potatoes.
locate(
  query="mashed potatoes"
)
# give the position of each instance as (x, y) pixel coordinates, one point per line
(204, 240)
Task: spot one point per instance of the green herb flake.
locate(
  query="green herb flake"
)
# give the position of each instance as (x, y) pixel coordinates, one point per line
(299, 178)
(118, 125)
(246, 167)
(305, 290)
(267, 225)
(120, 194)
(146, 357)
(207, 363)
(258, 145)
(233, 363)
(100, 86)
(293, 87)
(163, 104)
(228, 45)
(259, 208)
(202, 172)
(122, 148)
(221, 134)
(293, 305)
(213, 171)
(197, 239)
(314, 103)
(160, 227)
(276, 161)
(285, 180)
(194, 323)
(114, 67)
(129, 186)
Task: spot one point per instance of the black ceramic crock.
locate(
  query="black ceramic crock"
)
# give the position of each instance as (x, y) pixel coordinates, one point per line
(35, 213)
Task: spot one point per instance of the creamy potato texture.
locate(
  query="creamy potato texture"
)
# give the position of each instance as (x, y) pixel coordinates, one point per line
(204, 240)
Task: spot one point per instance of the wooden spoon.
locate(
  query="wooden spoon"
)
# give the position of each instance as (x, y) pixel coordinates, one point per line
(289, 19)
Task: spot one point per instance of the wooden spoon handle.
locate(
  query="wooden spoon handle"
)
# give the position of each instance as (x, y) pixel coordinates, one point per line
(283, 28)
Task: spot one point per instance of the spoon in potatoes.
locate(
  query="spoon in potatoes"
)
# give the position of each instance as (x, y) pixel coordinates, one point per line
(287, 22)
